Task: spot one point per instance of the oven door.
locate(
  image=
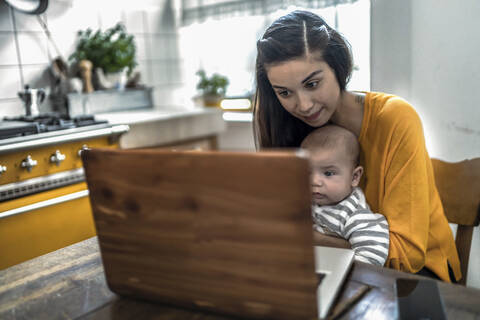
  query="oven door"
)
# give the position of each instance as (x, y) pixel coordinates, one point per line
(43, 222)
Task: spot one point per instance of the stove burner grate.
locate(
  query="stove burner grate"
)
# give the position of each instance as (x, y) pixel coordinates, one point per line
(27, 125)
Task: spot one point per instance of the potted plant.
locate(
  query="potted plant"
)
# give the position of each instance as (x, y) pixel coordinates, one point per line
(212, 88)
(112, 54)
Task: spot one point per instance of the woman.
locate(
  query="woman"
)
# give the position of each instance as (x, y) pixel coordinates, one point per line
(302, 69)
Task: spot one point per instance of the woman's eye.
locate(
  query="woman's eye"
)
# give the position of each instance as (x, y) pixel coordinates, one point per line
(311, 84)
(283, 93)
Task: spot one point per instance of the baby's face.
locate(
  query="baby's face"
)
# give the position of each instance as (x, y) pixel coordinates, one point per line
(331, 176)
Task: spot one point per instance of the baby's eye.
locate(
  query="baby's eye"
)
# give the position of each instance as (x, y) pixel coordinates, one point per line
(329, 173)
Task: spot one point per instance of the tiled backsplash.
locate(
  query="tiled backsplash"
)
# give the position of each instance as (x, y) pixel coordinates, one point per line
(151, 22)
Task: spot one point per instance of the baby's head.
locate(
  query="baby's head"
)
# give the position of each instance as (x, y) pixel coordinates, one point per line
(334, 155)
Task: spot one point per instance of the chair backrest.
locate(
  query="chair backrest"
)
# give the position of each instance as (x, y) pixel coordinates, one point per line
(459, 187)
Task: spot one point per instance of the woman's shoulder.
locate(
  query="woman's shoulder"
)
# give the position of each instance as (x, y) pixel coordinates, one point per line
(390, 109)
(386, 102)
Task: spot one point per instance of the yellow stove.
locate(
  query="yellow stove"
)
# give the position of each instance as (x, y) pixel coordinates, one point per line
(44, 203)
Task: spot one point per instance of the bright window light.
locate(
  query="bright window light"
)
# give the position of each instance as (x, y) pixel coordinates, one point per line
(236, 104)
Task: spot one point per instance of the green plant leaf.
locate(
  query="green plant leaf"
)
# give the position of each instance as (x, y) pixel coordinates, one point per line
(112, 50)
(213, 85)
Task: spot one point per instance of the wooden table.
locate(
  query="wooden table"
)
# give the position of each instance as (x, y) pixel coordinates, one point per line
(70, 284)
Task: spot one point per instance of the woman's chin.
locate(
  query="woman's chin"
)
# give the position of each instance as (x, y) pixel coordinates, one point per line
(316, 124)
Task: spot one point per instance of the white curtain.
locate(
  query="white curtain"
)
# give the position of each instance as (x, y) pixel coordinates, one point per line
(200, 10)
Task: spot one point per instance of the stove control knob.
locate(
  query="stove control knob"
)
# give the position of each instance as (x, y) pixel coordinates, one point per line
(2, 169)
(84, 147)
(57, 157)
(28, 163)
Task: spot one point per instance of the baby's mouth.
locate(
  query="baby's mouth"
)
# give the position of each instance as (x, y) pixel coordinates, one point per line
(318, 196)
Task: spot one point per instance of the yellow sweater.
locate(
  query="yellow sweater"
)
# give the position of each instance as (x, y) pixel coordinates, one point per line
(399, 183)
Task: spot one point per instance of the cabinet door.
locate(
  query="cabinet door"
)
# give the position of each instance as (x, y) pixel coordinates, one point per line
(52, 220)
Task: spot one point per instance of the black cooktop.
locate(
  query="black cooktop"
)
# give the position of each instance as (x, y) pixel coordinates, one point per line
(28, 125)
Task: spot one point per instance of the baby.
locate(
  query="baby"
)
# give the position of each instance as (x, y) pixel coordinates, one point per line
(339, 206)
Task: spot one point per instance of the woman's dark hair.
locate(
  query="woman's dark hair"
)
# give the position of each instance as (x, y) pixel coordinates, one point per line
(293, 36)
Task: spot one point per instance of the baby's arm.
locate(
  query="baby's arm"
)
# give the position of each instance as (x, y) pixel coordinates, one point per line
(326, 222)
(368, 234)
(321, 239)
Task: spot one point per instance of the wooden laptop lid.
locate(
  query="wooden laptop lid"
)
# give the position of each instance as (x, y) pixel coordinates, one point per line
(223, 231)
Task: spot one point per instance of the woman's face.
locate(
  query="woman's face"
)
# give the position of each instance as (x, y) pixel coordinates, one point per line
(307, 88)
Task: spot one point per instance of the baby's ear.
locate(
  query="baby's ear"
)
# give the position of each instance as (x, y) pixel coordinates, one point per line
(356, 175)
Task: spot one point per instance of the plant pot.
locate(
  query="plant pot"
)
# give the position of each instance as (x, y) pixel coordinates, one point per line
(210, 100)
(118, 80)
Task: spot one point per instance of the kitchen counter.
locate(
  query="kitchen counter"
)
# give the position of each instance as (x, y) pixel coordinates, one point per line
(157, 127)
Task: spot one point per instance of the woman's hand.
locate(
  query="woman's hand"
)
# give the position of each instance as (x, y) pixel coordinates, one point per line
(320, 239)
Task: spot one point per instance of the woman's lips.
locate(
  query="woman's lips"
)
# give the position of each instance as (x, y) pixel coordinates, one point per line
(314, 116)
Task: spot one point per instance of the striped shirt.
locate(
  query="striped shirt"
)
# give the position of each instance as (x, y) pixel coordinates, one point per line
(352, 220)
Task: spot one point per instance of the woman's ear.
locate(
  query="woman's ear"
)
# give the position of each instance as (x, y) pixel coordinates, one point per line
(357, 174)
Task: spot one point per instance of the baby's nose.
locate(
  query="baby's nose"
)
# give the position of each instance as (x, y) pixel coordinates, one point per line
(317, 180)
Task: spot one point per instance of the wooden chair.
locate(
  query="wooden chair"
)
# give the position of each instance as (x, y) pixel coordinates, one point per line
(459, 187)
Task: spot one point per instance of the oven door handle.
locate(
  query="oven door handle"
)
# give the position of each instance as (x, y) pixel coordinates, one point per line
(44, 204)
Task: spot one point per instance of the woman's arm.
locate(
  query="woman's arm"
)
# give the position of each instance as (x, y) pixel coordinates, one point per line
(406, 190)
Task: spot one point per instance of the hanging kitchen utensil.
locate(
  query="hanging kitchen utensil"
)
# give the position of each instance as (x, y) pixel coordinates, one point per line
(29, 6)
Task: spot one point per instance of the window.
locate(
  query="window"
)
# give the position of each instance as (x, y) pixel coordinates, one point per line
(228, 46)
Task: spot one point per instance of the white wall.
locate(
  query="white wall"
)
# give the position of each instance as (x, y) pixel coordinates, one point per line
(428, 52)
(390, 46)
(446, 74)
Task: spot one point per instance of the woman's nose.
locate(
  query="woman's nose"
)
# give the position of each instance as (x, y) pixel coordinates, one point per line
(304, 103)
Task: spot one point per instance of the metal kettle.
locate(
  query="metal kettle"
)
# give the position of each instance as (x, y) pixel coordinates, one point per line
(32, 98)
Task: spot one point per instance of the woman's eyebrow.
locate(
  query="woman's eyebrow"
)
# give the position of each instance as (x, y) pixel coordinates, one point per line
(314, 73)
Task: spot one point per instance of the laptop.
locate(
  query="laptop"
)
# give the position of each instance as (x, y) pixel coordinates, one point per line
(227, 232)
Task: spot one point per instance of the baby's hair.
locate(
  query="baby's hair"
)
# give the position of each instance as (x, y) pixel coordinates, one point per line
(332, 136)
